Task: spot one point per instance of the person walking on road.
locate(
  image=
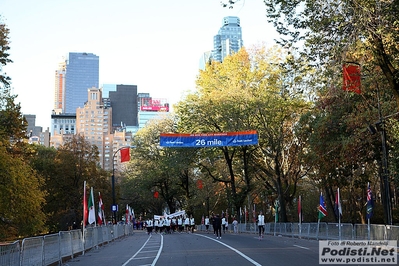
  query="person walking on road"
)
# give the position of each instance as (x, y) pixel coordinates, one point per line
(180, 224)
(261, 224)
(213, 223)
(156, 226)
(224, 224)
(218, 226)
(192, 224)
(149, 226)
(235, 226)
(187, 224)
(207, 224)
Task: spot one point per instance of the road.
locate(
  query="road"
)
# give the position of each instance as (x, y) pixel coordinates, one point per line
(201, 249)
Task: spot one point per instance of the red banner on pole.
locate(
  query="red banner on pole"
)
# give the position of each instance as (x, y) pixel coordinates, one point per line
(351, 78)
(125, 155)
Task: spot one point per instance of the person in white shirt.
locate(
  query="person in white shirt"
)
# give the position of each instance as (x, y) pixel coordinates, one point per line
(207, 223)
(224, 224)
(166, 225)
(235, 226)
(156, 226)
(173, 224)
(161, 222)
(149, 226)
(180, 224)
(192, 224)
(261, 224)
(187, 224)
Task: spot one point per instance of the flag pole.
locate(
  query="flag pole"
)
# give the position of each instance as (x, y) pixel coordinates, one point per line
(369, 208)
(368, 229)
(300, 216)
(317, 231)
(94, 208)
(318, 220)
(339, 214)
(84, 215)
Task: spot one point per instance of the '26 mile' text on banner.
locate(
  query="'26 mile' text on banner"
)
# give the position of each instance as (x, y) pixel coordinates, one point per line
(209, 139)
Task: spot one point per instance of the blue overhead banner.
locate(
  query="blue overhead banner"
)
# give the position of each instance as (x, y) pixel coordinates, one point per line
(209, 139)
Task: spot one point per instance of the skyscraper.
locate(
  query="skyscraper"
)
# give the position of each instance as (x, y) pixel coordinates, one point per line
(124, 106)
(228, 39)
(94, 123)
(59, 92)
(82, 73)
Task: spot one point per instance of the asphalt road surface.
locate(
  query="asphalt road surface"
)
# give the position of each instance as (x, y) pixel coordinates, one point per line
(201, 249)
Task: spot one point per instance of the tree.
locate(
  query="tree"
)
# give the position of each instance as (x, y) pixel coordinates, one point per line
(245, 93)
(74, 162)
(21, 199)
(154, 169)
(4, 60)
(12, 124)
(331, 33)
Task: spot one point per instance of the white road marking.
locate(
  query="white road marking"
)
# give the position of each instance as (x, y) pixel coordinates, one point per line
(156, 257)
(301, 247)
(233, 249)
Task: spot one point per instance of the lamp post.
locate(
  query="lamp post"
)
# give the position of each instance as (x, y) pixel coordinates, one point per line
(114, 206)
(386, 191)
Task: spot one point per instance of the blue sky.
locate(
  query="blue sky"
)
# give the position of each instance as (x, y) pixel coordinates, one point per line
(155, 45)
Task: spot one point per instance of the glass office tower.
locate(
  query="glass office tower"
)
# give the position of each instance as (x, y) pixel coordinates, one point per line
(228, 39)
(82, 73)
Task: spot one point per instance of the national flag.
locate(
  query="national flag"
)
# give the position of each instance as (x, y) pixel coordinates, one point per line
(299, 209)
(133, 216)
(125, 155)
(84, 204)
(127, 214)
(370, 202)
(100, 210)
(337, 205)
(92, 212)
(322, 207)
(351, 78)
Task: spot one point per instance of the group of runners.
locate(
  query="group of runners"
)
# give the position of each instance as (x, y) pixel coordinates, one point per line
(167, 225)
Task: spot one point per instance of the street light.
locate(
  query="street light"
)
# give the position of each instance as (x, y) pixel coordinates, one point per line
(380, 126)
(114, 206)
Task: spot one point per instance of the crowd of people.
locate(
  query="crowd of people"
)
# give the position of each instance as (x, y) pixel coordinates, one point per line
(186, 224)
(169, 225)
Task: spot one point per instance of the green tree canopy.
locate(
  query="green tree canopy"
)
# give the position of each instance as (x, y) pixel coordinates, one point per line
(331, 33)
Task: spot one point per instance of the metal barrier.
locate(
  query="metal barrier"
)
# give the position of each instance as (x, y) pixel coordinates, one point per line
(322, 231)
(54, 248)
(10, 253)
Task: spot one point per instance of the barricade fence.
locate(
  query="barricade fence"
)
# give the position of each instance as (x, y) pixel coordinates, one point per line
(53, 249)
(319, 231)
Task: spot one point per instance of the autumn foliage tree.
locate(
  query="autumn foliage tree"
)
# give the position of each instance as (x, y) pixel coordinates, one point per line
(21, 197)
(247, 92)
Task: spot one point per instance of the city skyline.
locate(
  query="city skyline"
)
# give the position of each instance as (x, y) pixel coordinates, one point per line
(155, 45)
